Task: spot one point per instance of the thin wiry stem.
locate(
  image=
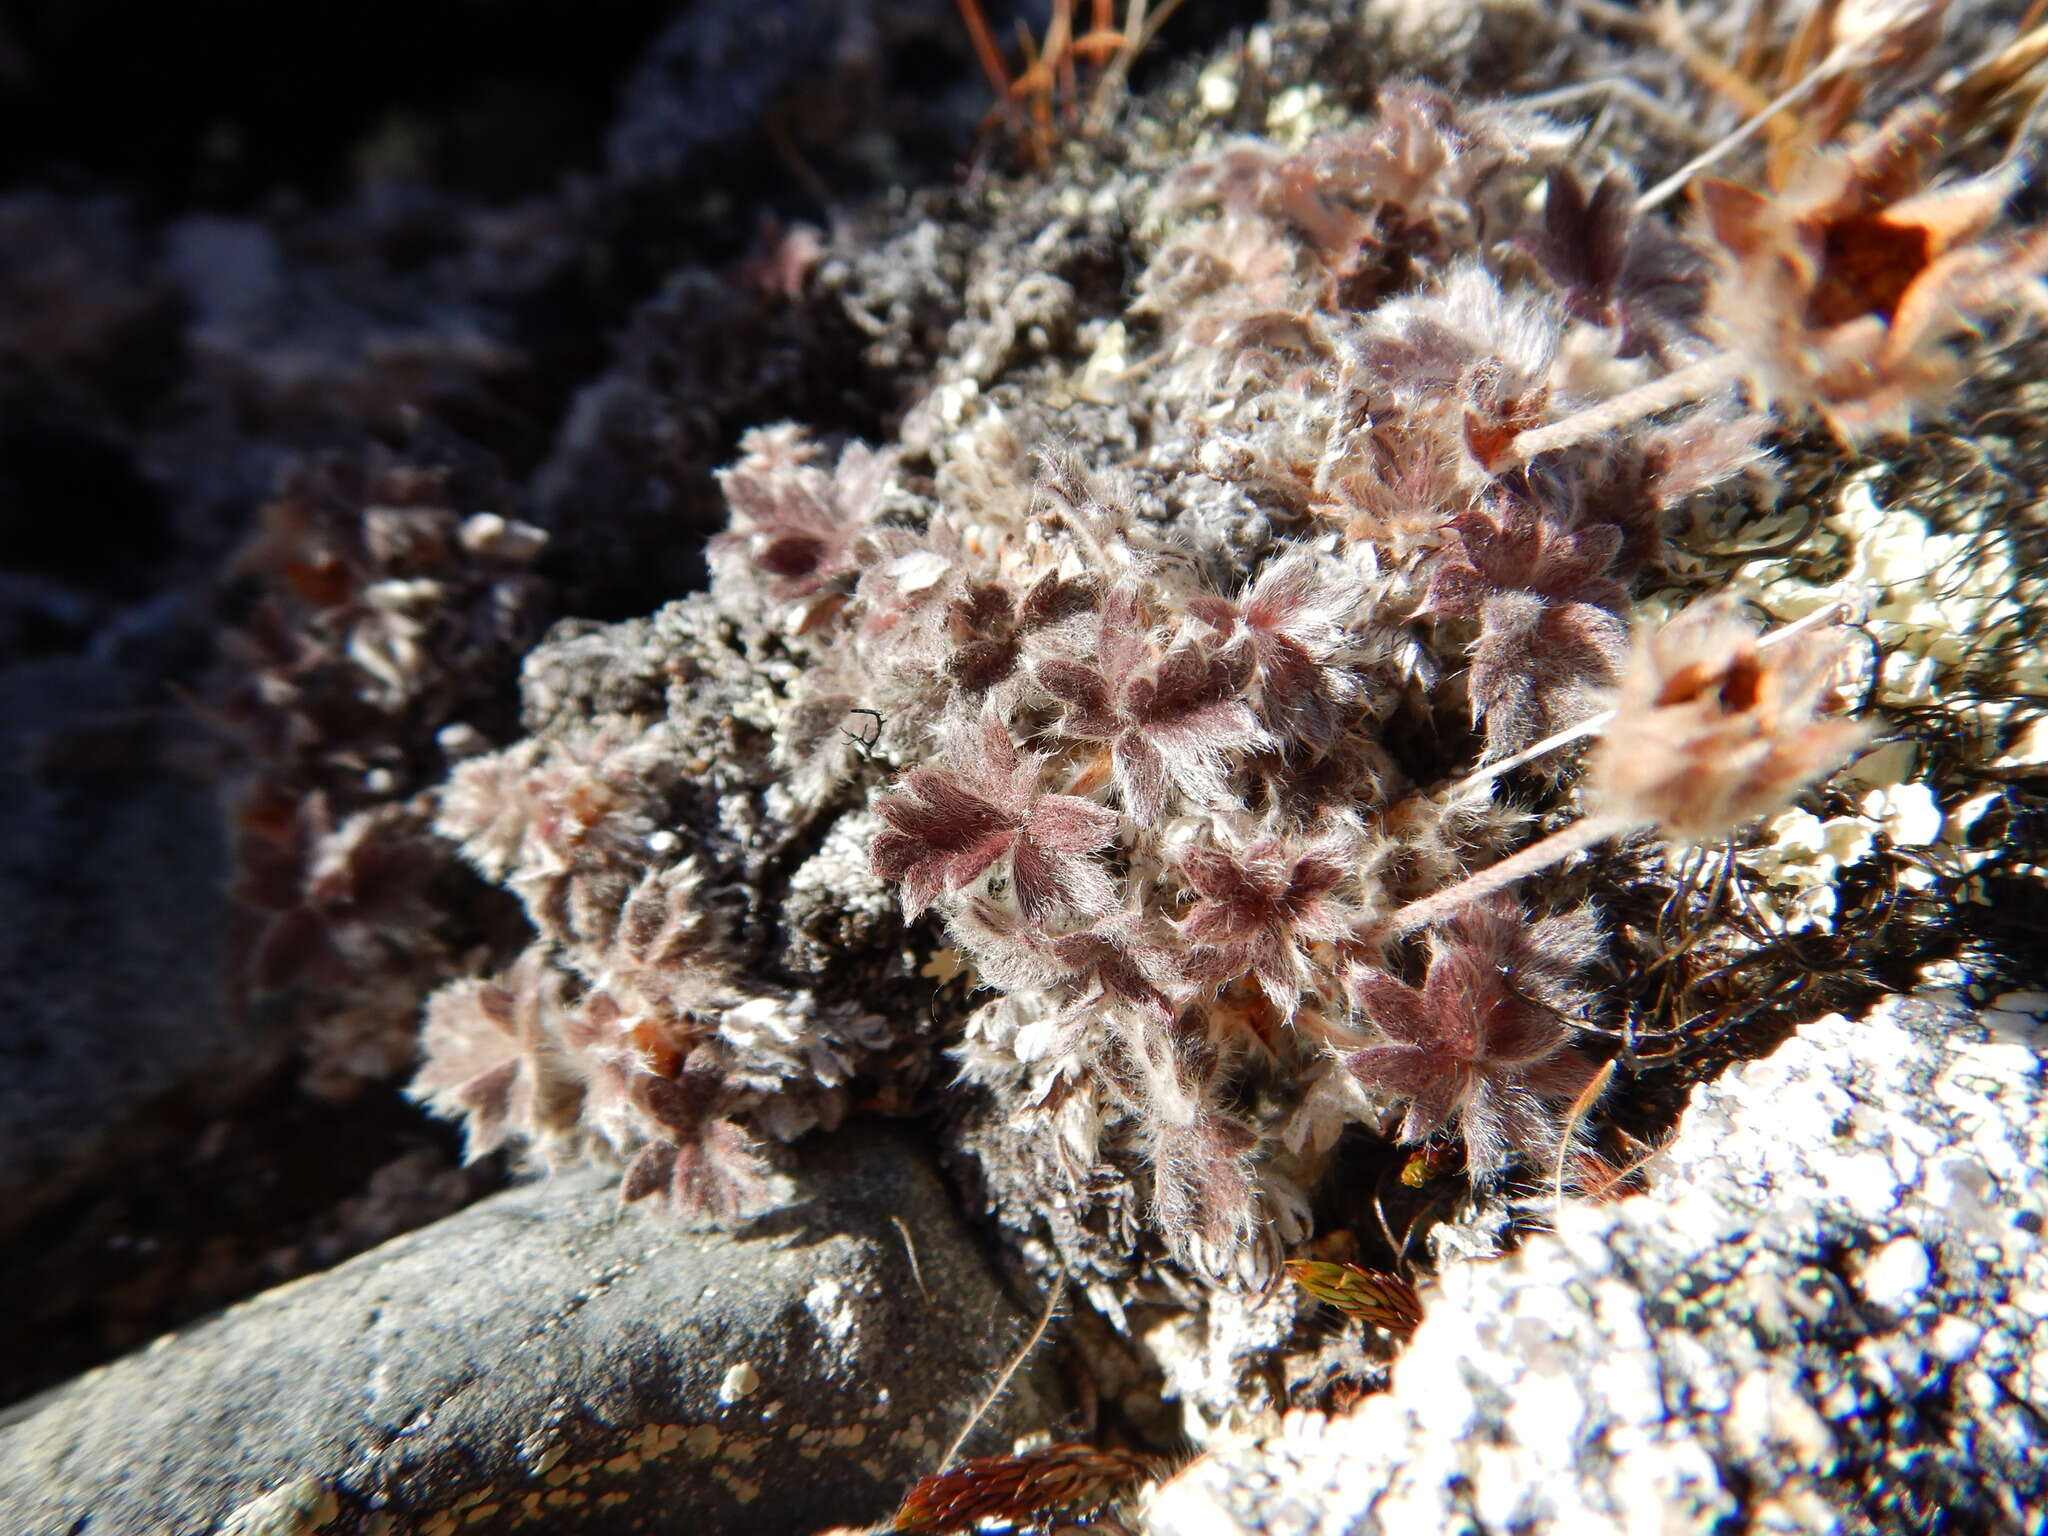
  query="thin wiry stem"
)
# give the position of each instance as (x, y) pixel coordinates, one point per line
(1572, 1120)
(1822, 72)
(1119, 67)
(985, 48)
(1016, 1363)
(1635, 92)
(910, 1249)
(1620, 17)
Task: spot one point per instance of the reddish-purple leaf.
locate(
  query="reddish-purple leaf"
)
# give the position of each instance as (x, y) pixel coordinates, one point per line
(1474, 1048)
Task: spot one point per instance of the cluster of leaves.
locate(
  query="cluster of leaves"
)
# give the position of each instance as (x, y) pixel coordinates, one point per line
(1165, 823)
(1395, 424)
(1158, 812)
(1169, 755)
(386, 600)
(627, 1031)
(381, 613)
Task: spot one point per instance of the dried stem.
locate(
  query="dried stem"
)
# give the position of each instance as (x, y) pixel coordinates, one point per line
(1622, 87)
(1538, 855)
(1564, 738)
(985, 48)
(1119, 67)
(1572, 1120)
(910, 1249)
(1009, 1371)
(1825, 70)
(1695, 381)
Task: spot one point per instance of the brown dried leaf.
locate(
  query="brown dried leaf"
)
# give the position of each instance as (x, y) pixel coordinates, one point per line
(1713, 731)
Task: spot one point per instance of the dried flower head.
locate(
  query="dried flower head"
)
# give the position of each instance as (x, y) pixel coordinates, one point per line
(1712, 730)
(1843, 292)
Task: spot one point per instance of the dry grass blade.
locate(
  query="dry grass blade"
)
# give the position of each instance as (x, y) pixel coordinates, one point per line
(1976, 93)
(1370, 1295)
(1066, 1479)
(1572, 1120)
(1050, 80)
(985, 50)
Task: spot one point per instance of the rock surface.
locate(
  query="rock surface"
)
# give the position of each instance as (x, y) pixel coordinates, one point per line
(1825, 1316)
(545, 1360)
(111, 935)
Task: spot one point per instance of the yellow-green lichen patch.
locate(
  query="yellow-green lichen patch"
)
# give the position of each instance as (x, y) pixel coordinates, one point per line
(743, 1447)
(744, 1490)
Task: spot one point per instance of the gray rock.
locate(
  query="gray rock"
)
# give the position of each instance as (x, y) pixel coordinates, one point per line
(112, 924)
(547, 1357)
(1825, 1316)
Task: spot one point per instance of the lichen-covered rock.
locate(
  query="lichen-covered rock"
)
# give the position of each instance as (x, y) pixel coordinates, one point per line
(1824, 1316)
(546, 1358)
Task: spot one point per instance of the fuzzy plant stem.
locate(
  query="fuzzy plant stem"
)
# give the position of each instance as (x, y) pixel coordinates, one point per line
(1564, 738)
(1695, 381)
(1538, 855)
